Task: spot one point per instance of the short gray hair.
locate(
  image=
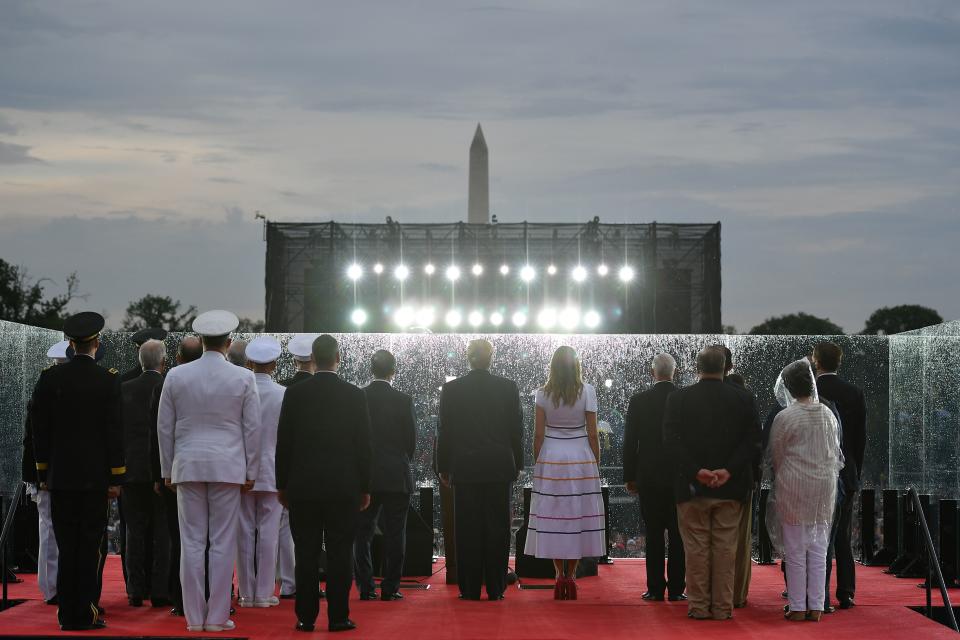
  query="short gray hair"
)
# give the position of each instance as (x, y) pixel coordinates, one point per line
(237, 353)
(663, 365)
(479, 353)
(152, 354)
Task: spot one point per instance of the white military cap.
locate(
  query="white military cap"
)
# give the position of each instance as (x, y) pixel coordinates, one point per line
(59, 350)
(215, 323)
(263, 349)
(301, 345)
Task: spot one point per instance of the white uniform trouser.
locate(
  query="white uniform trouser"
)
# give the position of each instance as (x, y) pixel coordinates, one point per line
(48, 554)
(286, 562)
(258, 538)
(805, 552)
(207, 510)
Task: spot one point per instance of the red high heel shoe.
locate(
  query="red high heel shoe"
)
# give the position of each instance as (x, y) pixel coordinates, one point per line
(559, 590)
(571, 589)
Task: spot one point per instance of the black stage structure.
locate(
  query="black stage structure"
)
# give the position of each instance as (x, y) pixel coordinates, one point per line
(493, 278)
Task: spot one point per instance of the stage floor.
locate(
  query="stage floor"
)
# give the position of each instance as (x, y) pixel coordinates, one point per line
(609, 607)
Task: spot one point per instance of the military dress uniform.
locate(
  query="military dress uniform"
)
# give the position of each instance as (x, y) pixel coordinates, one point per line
(78, 448)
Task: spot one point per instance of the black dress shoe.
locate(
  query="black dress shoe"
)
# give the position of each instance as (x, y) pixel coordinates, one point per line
(323, 594)
(288, 596)
(160, 602)
(99, 624)
(656, 597)
(829, 609)
(396, 595)
(177, 611)
(346, 625)
(54, 601)
(304, 626)
(496, 597)
(369, 596)
(679, 598)
(135, 602)
(233, 610)
(847, 603)
(101, 611)
(784, 595)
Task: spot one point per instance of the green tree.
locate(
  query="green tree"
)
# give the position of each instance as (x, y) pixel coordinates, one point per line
(249, 325)
(22, 299)
(796, 324)
(904, 317)
(161, 312)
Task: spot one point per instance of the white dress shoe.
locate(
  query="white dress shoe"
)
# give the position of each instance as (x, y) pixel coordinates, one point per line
(263, 603)
(194, 627)
(226, 626)
(245, 602)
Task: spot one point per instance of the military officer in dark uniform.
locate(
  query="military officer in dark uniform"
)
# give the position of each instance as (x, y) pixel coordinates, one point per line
(78, 449)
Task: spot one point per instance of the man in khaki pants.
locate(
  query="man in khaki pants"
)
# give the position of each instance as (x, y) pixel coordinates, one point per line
(712, 433)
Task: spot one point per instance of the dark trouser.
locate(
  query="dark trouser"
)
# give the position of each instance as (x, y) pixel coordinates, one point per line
(842, 549)
(394, 506)
(482, 512)
(79, 523)
(146, 531)
(659, 510)
(174, 590)
(310, 522)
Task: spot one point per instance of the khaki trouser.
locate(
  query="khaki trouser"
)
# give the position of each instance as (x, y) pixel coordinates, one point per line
(709, 528)
(744, 562)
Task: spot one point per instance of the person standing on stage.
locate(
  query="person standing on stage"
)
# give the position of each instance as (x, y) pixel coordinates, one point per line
(394, 428)
(78, 447)
(646, 472)
(323, 475)
(47, 550)
(301, 348)
(852, 406)
(259, 508)
(712, 434)
(208, 428)
(146, 529)
(480, 451)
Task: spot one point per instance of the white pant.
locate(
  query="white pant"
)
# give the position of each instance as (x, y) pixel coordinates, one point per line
(207, 510)
(257, 542)
(48, 554)
(286, 562)
(805, 553)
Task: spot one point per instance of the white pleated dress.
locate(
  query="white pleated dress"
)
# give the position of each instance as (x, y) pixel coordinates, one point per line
(566, 506)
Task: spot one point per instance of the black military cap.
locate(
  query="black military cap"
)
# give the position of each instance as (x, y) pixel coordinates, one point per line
(148, 334)
(83, 326)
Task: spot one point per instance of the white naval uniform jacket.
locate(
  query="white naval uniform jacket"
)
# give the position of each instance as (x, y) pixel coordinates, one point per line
(208, 423)
(271, 398)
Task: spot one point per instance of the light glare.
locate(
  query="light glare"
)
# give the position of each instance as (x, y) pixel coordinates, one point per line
(579, 273)
(496, 318)
(477, 269)
(475, 318)
(519, 319)
(527, 273)
(453, 318)
(504, 270)
(591, 319)
(426, 317)
(570, 318)
(552, 270)
(429, 269)
(547, 319)
(603, 270)
(354, 272)
(403, 317)
(378, 268)
(401, 272)
(626, 273)
(358, 317)
(453, 273)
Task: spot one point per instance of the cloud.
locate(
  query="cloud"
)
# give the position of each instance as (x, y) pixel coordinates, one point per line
(15, 154)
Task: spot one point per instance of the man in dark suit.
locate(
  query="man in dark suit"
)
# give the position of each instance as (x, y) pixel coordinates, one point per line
(713, 435)
(646, 471)
(78, 447)
(394, 429)
(323, 478)
(146, 530)
(852, 406)
(480, 450)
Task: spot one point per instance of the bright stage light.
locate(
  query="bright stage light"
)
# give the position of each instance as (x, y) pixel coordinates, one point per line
(591, 319)
(496, 318)
(519, 319)
(453, 318)
(579, 273)
(626, 273)
(570, 318)
(453, 273)
(475, 318)
(378, 268)
(547, 319)
(429, 269)
(477, 270)
(401, 272)
(354, 272)
(426, 317)
(504, 270)
(552, 270)
(358, 317)
(403, 317)
(527, 273)
(603, 270)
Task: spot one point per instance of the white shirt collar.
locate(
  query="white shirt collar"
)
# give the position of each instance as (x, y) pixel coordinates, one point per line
(383, 381)
(325, 371)
(829, 373)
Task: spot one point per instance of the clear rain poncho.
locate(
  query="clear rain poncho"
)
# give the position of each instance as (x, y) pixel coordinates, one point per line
(802, 460)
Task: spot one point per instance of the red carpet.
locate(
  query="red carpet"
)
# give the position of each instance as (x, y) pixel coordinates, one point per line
(609, 608)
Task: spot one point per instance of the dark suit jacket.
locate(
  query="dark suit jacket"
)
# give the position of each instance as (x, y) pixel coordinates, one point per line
(138, 426)
(154, 438)
(298, 377)
(77, 435)
(393, 426)
(323, 440)
(480, 429)
(852, 406)
(132, 374)
(712, 425)
(644, 453)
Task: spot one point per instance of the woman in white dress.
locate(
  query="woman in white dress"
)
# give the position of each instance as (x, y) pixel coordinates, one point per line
(566, 507)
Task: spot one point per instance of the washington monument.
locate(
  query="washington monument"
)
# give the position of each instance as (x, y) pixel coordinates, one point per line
(478, 196)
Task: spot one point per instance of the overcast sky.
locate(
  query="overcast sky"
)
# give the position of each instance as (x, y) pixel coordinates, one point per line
(138, 139)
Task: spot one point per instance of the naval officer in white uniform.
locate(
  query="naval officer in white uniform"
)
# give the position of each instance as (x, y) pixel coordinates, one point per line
(209, 438)
(260, 510)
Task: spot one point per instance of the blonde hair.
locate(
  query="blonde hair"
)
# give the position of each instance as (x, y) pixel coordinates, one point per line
(565, 382)
(479, 354)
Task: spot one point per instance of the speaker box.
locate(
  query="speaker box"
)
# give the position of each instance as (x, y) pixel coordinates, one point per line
(418, 558)
(868, 534)
(949, 542)
(890, 529)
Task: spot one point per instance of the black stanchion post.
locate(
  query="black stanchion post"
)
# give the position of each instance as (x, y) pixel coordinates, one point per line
(868, 534)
